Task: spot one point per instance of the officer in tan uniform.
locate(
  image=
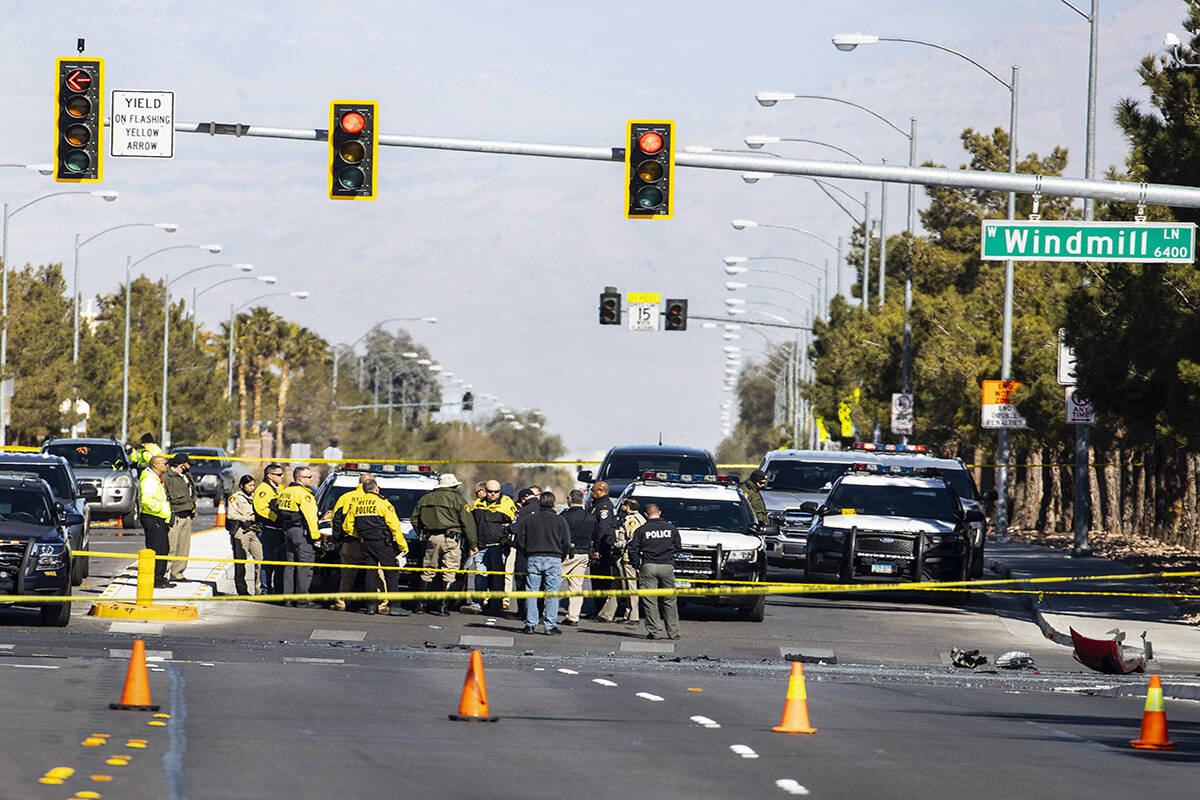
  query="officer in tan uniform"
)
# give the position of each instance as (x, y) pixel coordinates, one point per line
(443, 519)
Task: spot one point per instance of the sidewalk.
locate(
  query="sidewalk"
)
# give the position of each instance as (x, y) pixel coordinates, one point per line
(200, 577)
(1176, 643)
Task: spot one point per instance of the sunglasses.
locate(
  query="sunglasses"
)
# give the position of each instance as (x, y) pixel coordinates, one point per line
(492, 491)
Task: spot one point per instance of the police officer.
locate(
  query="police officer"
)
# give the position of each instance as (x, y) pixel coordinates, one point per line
(653, 550)
(443, 519)
(141, 455)
(269, 532)
(752, 487)
(155, 513)
(493, 513)
(373, 521)
(604, 541)
(297, 515)
(350, 549)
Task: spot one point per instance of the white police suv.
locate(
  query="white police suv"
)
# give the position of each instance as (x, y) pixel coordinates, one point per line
(720, 537)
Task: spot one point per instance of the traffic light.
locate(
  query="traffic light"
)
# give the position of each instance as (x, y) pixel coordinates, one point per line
(610, 307)
(79, 120)
(649, 164)
(353, 149)
(468, 402)
(676, 314)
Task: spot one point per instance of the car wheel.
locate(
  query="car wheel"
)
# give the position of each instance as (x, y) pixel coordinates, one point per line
(78, 569)
(130, 520)
(754, 613)
(56, 615)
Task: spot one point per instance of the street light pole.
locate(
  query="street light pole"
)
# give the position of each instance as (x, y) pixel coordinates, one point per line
(299, 295)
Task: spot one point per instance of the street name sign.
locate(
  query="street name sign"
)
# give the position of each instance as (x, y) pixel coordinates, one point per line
(143, 124)
(902, 414)
(1039, 240)
(643, 310)
(998, 411)
(1079, 408)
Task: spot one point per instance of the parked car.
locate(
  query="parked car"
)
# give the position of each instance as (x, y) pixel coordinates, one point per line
(211, 469)
(104, 465)
(35, 553)
(65, 489)
(624, 464)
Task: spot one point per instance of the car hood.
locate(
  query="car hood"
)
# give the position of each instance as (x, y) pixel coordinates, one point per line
(406, 528)
(98, 472)
(727, 541)
(868, 522)
(23, 530)
(782, 499)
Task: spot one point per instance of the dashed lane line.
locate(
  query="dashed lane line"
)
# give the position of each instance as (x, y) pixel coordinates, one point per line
(566, 671)
(338, 636)
(31, 666)
(743, 750)
(151, 655)
(303, 660)
(791, 786)
(147, 628)
(706, 722)
(653, 698)
(603, 682)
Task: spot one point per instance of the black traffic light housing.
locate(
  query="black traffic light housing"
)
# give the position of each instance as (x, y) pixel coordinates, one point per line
(79, 120)
(353, 149)
(610, 306)
(649, 168)
(676, 316)
(468, 402)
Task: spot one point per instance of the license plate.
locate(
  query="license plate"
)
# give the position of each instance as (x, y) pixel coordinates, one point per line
(683, 556)
(883, 568)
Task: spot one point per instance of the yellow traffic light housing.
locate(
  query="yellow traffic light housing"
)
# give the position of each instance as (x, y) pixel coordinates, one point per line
(353, 149)
(649, 169)
(78, 120)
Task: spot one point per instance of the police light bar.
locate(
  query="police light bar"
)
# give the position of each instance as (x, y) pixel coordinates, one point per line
(681, 477)
(896, 469)
(872, 447)
(360, 466)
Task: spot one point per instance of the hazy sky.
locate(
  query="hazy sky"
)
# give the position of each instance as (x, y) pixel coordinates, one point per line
(511, 252)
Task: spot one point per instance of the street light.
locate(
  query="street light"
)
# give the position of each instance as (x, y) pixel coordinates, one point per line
(5, 216)
(299, 295)
(352, 345)
(270, 280)
(167, 227)
(849, 41)
(41, 169)
(167, 324)
(129, 265)
(733, 267)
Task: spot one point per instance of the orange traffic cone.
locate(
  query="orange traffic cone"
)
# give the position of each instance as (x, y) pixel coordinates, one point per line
(136, 696)
(221, 514)
(1154, 720)
(473, 707)
(795, 709)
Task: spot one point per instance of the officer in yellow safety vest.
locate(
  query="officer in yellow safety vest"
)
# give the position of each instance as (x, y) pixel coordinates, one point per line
(372, 519)
(141, 455)
(350, 550)
(296, 514)
(155, 513)
(270, 577)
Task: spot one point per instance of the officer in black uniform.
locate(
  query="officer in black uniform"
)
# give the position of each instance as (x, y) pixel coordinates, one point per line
(604, 538)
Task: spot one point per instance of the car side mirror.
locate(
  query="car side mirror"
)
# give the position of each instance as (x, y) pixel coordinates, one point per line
(72, 518)
(990, 496)
(88, 492)
(770, 529)
(974, 515)
(810, 507)
(584, 476)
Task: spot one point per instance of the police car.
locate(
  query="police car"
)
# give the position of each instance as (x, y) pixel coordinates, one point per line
(400, 484)
(890, 523)
(717, 529)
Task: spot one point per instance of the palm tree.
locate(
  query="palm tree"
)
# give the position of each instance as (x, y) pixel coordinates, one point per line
(260, 333)
(298, 347)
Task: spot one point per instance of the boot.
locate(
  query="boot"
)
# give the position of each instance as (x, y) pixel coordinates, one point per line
(440, 609)
(419, 607)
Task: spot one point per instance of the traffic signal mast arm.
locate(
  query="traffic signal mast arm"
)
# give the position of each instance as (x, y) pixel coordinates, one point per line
(1118, 191)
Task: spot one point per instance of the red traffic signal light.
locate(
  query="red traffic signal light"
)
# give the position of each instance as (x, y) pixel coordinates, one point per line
(353, 149)
(610, 308)
(649, 164)
(676, 317)
(79, 120)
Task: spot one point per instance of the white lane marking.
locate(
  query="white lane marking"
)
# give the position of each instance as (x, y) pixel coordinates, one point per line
(539, 669)
(653, 698)
(30, 666)
(743, 750)
(791, 786)
(566, 671)
(7, 646)
(148, 628)
(706, 722)
(335, 635)
(603, 681)
(302, 660)
(151, 655)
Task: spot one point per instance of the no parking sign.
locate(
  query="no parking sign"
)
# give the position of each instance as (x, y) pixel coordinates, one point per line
(1079, 408)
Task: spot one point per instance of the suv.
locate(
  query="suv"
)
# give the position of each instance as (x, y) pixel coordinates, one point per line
(35, 553)
(718, 532)
(889, 523)
(400, 484)
(103, 465)
(956, 472)
(625, 463)
(795, 477)
(211, 469)
(74, 496)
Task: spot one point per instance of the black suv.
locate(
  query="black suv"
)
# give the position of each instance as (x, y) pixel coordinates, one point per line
(624, 464)
(35, 553)
(65, 489)
(211, 470)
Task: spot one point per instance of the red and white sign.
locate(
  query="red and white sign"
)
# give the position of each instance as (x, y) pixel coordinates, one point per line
(1079, 408)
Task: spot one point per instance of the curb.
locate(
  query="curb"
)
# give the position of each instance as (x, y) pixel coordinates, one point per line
(1035, 605)
(154, 613)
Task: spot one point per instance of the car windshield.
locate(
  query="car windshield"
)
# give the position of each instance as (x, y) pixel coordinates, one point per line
(403, 500)
(730, 516)
(24, 506)
(203, 459)
(53, 474)
(924, 502)
(90, 456)
(632, 465)
(960, 479)
(804, 476)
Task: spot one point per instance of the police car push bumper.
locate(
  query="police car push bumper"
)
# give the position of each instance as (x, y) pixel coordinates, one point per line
(862, 547)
